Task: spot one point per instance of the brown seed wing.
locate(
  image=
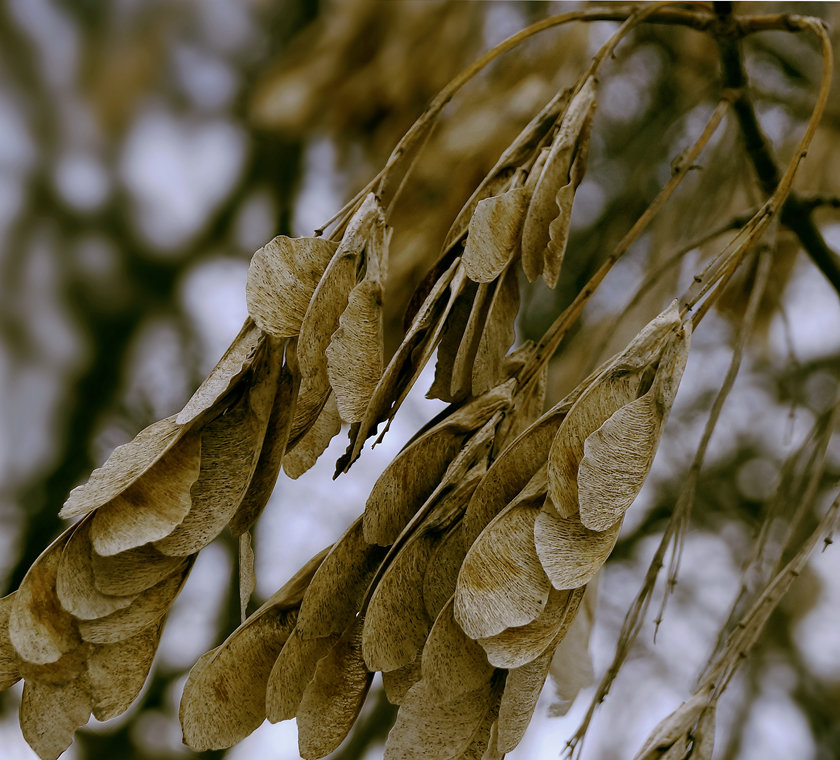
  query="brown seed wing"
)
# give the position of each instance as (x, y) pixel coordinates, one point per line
(236, 361)
(306, 450)
(523, 686)
(118, 671)
(292, 671)
(125, 465)
(130, 572)
(571, 553)
(9, 661)
(75, 582)
(619, 454)
(502, 583)
(333, 597)
(428, 728)
(442, 570)
(396, 623)
(452, 663)
(40, 630)
(398, 682)
(152, 506)
(421, 339)
(571, 666)
(543, 209)
(602, 398)
(51, 713)
(451, 337)
(281, 280)
(407, 482)
(224, 698)
(356, 353)
(493, 237)
(509, 474)
(230, 447)
(517, 646)
(333, 699)
(498, 334)
(460, 381)
(271, 455)
(147, 609)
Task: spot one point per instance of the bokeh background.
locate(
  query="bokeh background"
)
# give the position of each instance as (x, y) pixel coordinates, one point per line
(147, 148)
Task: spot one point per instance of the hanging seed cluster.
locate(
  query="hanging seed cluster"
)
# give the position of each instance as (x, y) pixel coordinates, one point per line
(470, 575)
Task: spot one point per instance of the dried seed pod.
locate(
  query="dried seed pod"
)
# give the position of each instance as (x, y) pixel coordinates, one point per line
(275, 441)
(442, 570)
(514, 156)
(555, 174)
(483, 744)
(117, 672)
(292, 671)
(502, 583)
(224, 698)
(523, 686)
(130, 572)
(517, 646)
(571, 666)
(396, 623)
(306, 449)
(355, 355)
(125, 465)
(452, 334)
(238, 358)
(247, 573)
(9, 660)
(452, 663)
(570, 553)
(40, 630)
(409, 481)
(407, 362)
(230, 447)
(398, 682)
(281, 279)
(334, 697)
(617, 385)
(494, 232)
(597, 403)
(333, 597)
(530, 405)
(460, 380)
(75, 583)
(498, 333)
(147, 609)
(511, 471)
(618, 455)
(151, 507)
(328, 303)
(432, 729)
(50, 713)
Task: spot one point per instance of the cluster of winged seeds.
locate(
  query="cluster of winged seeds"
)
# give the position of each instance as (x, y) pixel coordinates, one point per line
(465, 580)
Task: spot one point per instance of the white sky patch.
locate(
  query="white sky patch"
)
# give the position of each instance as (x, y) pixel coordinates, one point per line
(213, 294)
(177, 172)
(82, 180)
(813, 312)
(321, 192)
(313, 511)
